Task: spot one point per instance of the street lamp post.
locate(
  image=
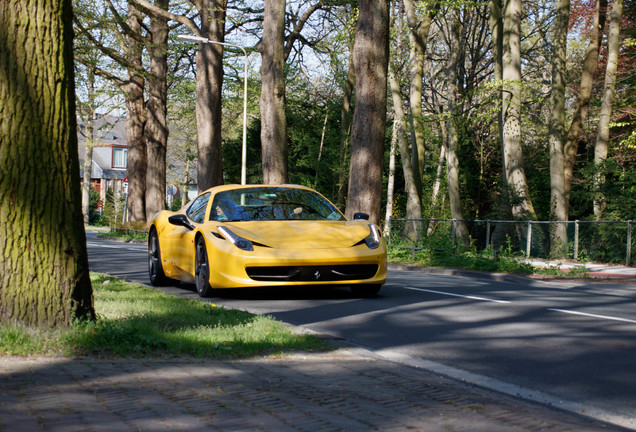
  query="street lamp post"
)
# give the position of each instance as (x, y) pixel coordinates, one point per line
(199, 39)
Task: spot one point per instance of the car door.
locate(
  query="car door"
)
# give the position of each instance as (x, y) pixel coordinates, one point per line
(182, 238)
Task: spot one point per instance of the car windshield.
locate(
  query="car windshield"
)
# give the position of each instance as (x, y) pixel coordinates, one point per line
(272, 203)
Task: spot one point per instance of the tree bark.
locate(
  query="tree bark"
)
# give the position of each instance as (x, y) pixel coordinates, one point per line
(156, 125)
(590, 63)
(452, 161)
(390, 184)
(371, 53)
(558, 206)
(345, 130)
(602, 136)
(209, 81)
(413, 204)
(418, 35)
(516, 182)
(272, 102)
(135, 121)
(89, 135)
(44, 277)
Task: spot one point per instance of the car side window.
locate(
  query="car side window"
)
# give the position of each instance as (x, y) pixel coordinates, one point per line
(196, 211)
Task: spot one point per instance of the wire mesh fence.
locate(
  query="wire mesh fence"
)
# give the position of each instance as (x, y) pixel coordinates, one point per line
(587, 241)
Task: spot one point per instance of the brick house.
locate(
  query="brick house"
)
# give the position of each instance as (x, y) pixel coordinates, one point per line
(110, 152)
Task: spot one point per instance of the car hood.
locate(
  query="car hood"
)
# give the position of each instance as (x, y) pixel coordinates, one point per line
(302, 234)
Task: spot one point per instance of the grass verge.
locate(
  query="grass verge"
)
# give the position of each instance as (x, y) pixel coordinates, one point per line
(137, 321)
(468, 259)
(126, 235)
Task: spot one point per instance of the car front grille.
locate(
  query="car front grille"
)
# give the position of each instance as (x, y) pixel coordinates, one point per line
(313, 273)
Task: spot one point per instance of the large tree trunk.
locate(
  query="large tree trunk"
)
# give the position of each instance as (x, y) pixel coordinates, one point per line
(44, 277)
(516, 182)
(209, 80)
(583, 97)
(558, 207)
(371, 54)
(452, 161)
(135, 122)
(272, 103)
(602, 136)
(156, 126)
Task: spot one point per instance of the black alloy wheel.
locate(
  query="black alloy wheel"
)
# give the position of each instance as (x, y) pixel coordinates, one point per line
(202, 269)
(155, 269)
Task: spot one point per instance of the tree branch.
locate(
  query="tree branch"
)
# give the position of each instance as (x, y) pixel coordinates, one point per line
(149, 7)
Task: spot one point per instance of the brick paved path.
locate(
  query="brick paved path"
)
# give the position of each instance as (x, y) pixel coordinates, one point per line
(337, 391)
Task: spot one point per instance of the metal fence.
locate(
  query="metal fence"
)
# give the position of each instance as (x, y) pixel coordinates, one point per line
(588, 241)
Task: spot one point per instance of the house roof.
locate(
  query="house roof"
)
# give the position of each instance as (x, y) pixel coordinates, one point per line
(108, 132)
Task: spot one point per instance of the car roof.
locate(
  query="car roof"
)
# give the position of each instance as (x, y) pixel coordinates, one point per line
(227, 187)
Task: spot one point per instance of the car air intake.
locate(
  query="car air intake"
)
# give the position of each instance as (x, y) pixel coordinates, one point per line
(313, 273)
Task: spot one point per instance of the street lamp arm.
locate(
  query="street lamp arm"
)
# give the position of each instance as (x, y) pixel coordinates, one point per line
(200, 39)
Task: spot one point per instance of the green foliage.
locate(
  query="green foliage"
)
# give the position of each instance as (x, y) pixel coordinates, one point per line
(176, 204)
(441, 252)
(95, 218)
(114, 208)
(136, 321)
(126, 234)
(574, 272)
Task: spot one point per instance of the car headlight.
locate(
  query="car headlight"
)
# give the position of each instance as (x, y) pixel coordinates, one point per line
(238, 241)
(373, 239)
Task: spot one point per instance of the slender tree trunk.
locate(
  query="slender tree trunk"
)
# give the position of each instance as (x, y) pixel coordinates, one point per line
(602, 137)
(345, 129)
(495, 21)
(452, 161)
(517, 184)
(413, 204)
(44, 278)
(418, 35)
(209, 81)
(156, 125)
(371, 54)
(438, 176)
(86, 179)
(558, 207)
(135, 122)
(390, 184)
(272, 103)
(590, 63)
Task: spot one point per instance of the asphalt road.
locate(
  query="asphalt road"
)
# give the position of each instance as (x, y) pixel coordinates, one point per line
(572, 345)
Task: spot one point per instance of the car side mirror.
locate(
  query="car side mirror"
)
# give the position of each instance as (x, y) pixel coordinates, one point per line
(180, 220)
(360, 215)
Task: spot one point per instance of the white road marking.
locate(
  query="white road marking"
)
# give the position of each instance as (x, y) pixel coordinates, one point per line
(457, 295)
(593, 315)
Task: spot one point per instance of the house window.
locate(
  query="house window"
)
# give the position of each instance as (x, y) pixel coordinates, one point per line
(120, 156)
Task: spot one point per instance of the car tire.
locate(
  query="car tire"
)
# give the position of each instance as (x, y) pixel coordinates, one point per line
(366, 291)
(155, 268)
(202, 269)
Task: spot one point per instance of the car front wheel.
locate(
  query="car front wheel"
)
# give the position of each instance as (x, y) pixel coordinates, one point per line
(202, 269)
(155, 269)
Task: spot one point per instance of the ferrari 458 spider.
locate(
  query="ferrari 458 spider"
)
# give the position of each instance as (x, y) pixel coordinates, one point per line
(252, 236)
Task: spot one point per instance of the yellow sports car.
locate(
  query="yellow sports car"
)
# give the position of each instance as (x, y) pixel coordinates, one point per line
(251, 236)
